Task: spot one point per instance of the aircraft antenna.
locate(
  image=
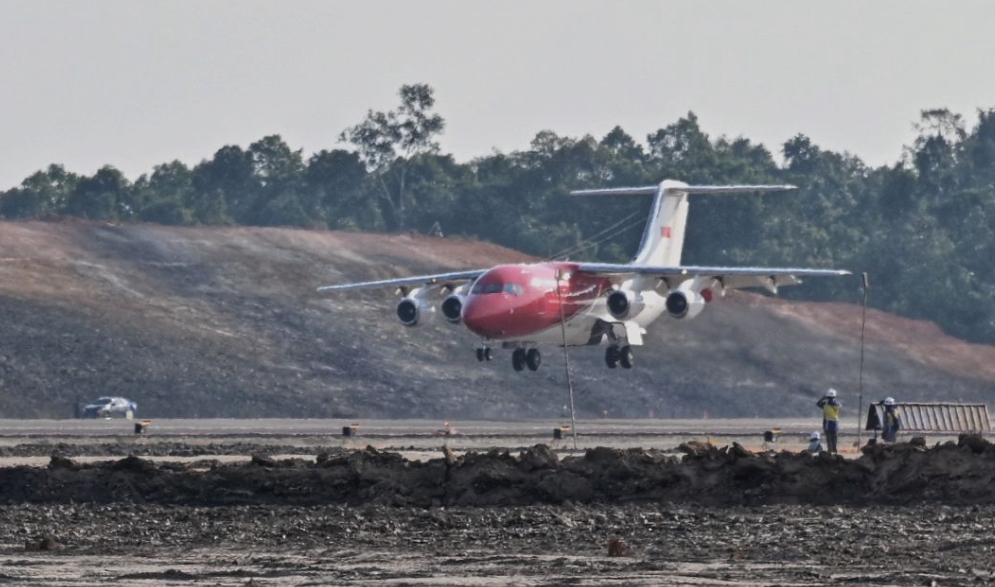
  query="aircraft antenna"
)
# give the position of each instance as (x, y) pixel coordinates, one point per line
(602, 236)
(566, 358)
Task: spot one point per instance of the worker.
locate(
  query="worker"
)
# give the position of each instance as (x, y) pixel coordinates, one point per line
(814, 446)
(830, 418)
(892, 421)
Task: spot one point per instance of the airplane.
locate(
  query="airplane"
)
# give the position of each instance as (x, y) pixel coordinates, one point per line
(523, 306)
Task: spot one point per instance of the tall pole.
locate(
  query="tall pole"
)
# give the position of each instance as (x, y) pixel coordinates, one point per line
(860, 377)
(566, 358)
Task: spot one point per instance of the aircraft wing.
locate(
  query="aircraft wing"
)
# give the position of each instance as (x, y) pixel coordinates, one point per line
(436, 279)
(731, 277)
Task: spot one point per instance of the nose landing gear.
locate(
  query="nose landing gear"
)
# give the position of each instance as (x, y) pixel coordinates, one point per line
(484, 354)
(616, 355)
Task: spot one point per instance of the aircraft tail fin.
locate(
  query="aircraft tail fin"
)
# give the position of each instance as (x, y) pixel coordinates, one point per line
(663, 237)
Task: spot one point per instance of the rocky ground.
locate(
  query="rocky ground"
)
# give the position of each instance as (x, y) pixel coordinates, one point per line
(665, 544)
(899, 515)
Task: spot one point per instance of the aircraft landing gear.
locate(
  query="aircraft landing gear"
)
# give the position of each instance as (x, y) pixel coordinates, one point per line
(626, 358)
(484, 354)
(533, 359)
(518, 359)
(522, 358)
(611, 356)
(615, 355)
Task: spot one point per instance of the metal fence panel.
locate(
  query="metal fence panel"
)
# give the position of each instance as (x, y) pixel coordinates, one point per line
(937, 417)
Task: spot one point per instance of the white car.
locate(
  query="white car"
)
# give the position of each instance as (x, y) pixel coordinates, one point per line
(111, 407)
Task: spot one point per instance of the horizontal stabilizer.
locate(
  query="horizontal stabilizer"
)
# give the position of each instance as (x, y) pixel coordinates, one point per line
(686, 189)
(732, 189)
(643, 191)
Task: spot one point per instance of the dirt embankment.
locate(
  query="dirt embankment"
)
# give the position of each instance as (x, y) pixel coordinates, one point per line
(222, 321)
(953, 473)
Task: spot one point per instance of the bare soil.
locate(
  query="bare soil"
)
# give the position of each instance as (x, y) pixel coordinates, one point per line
(134, 544)
(899, 515)
(961, 473)
(206, 322)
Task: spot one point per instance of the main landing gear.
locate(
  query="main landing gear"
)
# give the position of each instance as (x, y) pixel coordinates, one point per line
(616, 355)
(521, 358)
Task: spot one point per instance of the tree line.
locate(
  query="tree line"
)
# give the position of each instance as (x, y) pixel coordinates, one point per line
(923, 228)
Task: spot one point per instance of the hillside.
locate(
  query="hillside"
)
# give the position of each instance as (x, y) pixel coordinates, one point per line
(226, 322)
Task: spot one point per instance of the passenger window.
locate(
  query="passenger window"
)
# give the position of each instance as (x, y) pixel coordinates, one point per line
(513, 289)
(493, 288)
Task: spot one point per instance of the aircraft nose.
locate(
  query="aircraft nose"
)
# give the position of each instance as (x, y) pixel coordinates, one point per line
(486, 315)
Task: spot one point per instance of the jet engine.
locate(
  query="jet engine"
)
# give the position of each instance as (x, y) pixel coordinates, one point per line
(452, 308)
(685, 301)
(623, 304)
(415, 311)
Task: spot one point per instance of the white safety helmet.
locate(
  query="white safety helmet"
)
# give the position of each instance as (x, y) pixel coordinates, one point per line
(815, 436)
(889, 401)
(831, 392)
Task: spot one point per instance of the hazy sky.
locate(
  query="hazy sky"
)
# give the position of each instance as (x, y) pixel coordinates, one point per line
(138, 83)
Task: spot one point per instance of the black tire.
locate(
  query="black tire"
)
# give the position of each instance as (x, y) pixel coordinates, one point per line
(518, 359)
(488, 354)
(611, 356)
(480, 355)
(533, 359)
(625, 357)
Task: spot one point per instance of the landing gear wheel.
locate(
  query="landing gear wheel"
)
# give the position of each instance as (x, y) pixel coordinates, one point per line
(518, 359)
(488, 354)
(625, 357)
(611, 356)
(480, 355)
(533, 359)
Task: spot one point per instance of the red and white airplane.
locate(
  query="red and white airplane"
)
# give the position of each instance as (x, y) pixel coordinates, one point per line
(521, 307)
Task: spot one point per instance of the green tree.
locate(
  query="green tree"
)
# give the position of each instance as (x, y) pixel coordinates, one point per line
(279, 175)
(43, 192)
(104, 196)
(225, 187)
(165, 197)
(336, 180)
(388, 141)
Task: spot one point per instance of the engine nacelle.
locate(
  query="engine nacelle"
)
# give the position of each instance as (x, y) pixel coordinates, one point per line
(685, 302)
(415, 311)
(623, 304)
(452, 308)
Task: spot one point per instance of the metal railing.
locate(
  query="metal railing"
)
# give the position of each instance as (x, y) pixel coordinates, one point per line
(936, 417)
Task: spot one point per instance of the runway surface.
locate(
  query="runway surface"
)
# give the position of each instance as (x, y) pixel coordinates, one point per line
(395, 428)
(410, 437)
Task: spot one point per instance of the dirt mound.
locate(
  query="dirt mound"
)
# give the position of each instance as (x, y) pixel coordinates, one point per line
(158, 449)
(206, 322)
(954, 473)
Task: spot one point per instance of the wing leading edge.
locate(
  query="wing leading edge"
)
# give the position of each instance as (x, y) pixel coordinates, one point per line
(435, 279)
(732, 277)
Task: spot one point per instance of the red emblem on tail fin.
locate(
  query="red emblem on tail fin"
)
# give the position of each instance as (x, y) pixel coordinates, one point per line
(665, 232)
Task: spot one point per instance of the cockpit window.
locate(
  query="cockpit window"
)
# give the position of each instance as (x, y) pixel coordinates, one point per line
(492, 288)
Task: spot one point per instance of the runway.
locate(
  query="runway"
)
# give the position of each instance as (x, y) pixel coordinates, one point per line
(32, 441)
(403, 428)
